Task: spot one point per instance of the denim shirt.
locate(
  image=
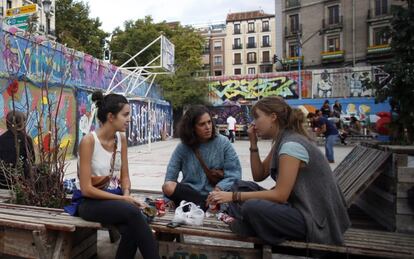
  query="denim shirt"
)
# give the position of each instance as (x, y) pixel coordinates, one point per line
(217, 154)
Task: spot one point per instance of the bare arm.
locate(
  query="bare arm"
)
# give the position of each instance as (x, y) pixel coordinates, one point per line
(288, 172)
(260, 169)
(125, 180)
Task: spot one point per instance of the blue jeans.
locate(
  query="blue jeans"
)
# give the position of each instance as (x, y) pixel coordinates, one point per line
(329, 144)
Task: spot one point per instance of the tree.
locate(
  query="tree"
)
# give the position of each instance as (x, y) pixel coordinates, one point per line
(181, 88)
(75, 29)
(399, 91)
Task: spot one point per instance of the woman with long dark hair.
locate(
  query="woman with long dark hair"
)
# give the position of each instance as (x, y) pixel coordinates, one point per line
(200, 153)
(105, 183)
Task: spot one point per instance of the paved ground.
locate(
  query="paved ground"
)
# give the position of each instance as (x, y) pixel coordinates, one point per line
(147, 165)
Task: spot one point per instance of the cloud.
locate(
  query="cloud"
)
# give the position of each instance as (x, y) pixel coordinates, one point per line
(114, 13)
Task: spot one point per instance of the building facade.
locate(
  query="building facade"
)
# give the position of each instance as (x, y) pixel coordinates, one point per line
(43, 22)
(336, 33)
(214, 51)
(249, 43)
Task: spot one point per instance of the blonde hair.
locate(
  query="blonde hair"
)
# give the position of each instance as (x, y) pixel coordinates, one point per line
(288, 118)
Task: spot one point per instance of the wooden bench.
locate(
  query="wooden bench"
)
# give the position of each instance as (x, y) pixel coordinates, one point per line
(34, 232)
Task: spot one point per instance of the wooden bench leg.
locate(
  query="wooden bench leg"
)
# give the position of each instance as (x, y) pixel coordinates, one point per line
(39, 239)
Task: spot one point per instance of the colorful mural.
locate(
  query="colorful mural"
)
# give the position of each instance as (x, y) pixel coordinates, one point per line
(39, 64)
(235, 89)
(149, 120)
(29, 100)
(319, 83)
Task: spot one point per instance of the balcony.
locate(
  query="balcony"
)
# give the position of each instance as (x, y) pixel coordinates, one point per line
(292, 60)
(206, 50)
(237, 31)
(237, 46)
(383, 15)
(332, 56)
(293, 32)
(265, 45)
(251, 61)
(251, 45)
(292, 3)
(237, 62)
(333, 25)
(266, 61)
(266, 29)
(379, 52)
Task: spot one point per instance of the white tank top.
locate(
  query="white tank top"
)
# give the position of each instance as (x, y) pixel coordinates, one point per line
(101, 161)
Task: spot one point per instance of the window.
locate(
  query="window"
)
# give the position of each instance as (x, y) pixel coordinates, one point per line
(217, 45)
(265, 26)
(9, 4)
(218, 60)
(380, 36)
(265, 56)
(237, 43)
(251, 71)
(333, 43)
(251, 57)
(251, 42)
(293, 50)
(237, 71)
(266, 69)
(333, 14)
(237, 28)
(237, 58)
(266, 41)
(294, 23)
(250, 27)
(218, 73)
(292, 3)
(381, 7)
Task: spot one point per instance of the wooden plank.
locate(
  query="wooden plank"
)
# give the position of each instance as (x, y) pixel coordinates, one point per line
(403, 208)
(405, 223)
(402, 189)
(22, 225)
(53, 225)
(405, 174)
(182, 250)
(18, 242)
(385, 219)
(82, 248)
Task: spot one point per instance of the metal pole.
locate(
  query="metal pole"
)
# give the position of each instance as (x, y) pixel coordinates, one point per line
(299, 67)
(353, 33)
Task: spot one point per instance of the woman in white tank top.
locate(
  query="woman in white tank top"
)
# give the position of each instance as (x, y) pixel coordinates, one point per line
(111, 203)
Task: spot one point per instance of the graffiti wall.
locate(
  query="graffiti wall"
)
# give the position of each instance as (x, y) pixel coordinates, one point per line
(237, 89)
(30, 99)
(343, 82)
(320, 83)
(38, 64)
(149, 121)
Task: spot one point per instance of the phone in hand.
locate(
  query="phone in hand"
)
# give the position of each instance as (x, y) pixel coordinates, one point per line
(173, 224)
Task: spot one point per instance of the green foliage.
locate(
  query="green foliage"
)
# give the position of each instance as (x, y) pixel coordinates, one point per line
(75, 29)
(181, 88)
(400, 90)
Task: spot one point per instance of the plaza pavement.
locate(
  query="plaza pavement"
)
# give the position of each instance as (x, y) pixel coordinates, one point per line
(148, 163)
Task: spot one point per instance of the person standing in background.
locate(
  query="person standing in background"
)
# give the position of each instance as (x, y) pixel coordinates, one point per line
(231, 126)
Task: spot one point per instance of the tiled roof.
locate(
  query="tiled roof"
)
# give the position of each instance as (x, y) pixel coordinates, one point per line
(232, 17)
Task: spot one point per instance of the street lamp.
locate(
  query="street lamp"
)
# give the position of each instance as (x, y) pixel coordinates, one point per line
(47, 4)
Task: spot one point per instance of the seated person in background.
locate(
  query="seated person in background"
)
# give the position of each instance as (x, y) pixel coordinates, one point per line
(305, 203)
(201, 150)
(16, 128)
(355, 127)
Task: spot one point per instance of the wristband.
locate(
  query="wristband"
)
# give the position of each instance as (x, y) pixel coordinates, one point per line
(253, 149)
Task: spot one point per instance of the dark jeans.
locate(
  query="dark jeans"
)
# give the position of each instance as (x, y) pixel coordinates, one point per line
(132, 225)
(231, 135)
(270, 221)
(185, 192)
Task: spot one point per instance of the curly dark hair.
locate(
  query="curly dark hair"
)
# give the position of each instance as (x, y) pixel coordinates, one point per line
(186, 127)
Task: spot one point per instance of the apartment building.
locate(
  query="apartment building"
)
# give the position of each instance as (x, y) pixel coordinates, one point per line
(249, 43)
(214, 51)
(43, 24)
(336, 33)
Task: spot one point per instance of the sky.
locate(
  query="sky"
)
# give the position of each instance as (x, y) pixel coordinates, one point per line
(112, 13)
